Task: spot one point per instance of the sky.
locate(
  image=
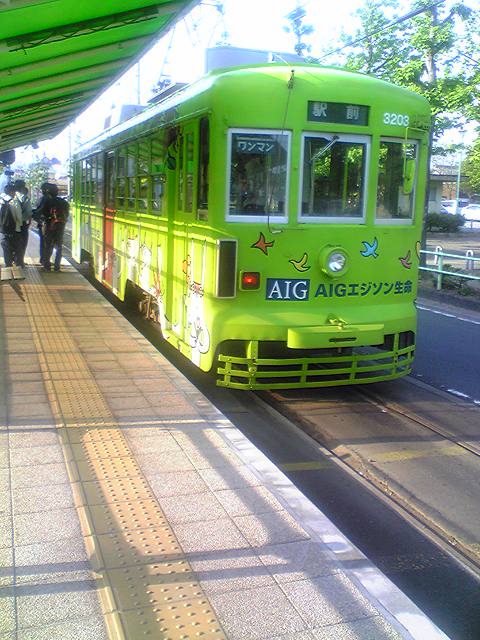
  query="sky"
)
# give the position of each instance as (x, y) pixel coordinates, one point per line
(180, 55)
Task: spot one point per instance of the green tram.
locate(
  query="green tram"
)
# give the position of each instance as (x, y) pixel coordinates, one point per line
(271, 217)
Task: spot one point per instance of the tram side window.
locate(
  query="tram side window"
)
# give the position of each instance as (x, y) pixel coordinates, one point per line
(131, 187)
(121, 182)
(189, 149)
(83, 183)
(88, 180)
(203, 162)
(93, 180)
(258, 173)
(99, 181)
(110, 180)
(157, 169)
(333, 183)
(142, 168)
(396, 180)
(180, 174)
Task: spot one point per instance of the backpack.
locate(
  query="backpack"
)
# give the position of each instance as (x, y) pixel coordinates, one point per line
(58, 212)
(7, 221)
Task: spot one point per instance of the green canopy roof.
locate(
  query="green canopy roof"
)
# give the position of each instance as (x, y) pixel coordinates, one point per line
(57, 56)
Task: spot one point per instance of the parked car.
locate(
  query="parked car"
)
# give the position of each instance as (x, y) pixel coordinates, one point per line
(471, 212)
(451, 205)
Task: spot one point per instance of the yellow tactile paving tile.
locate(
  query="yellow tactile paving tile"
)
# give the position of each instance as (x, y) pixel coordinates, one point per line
(102, 469)
(90, 449)
(94, 434)
(132, 548)
(146, 586)
(109, 491)
(165, 582)
(85, 406)
(179, 620)
(131, 515)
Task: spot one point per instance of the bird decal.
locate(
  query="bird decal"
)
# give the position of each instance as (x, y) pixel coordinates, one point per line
(370, 249)
(262, 244)
(406, 261)
(301, 265)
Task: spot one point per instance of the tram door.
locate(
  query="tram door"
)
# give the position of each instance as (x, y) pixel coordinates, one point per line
(108, 220)
(171, 162)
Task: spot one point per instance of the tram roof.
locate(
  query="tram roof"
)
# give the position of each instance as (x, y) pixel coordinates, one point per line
(57, 56)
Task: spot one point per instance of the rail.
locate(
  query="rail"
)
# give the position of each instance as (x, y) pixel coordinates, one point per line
(438, 265)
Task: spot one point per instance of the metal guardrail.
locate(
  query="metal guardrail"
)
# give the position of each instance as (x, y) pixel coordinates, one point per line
(438, 264)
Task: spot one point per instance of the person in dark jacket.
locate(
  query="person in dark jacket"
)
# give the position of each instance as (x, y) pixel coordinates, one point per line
(56, 216)
(49, 191)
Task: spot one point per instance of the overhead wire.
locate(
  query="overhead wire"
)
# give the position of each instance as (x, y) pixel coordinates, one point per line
(389, 25)
(165, 57)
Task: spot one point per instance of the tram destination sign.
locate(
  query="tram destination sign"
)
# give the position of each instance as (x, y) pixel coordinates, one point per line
(337, 113)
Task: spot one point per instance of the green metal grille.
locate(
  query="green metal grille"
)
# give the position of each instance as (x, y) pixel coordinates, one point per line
(322, 371)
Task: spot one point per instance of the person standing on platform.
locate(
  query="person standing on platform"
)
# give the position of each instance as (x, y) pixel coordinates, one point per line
(48, 191)
(56, 216)
(10, 224)
(21, 195)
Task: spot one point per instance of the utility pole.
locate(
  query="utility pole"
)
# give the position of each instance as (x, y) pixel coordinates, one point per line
(459, 170)
(138, 82)
(70, 177)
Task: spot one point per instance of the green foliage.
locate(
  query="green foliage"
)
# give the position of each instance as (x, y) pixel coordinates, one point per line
(443, 222)
(425, 53)
(471, 167)
(35, 175)
(457, 283)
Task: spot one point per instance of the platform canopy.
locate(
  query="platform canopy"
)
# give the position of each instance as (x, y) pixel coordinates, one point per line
(57, 56)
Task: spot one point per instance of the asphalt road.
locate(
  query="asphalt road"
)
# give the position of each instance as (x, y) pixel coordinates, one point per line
(448, 349)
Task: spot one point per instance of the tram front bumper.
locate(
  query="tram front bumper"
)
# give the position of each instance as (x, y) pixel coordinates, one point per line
(335, 335)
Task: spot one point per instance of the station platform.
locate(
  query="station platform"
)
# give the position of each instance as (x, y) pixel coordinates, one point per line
(131, 508)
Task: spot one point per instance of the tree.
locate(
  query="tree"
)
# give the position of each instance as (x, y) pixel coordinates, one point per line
(420, 53)
(35, 175)
(299, 30)
(374, 49)
(471, 168)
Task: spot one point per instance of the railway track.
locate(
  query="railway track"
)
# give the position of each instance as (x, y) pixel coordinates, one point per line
(345, 473)
(312, 411)
(423, 447)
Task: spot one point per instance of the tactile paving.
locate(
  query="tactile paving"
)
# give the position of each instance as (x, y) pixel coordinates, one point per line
(123, 489)
(155, 584)
(130, 548)
(127, 516)
(96, 434)
(187, 620)
(103, 469)
(90, 449)
(148, 587)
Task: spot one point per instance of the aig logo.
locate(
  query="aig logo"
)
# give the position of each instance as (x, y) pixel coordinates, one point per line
(282, 289)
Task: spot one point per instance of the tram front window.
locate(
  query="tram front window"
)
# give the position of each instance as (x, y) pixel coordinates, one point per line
(396, 181)
(258, 173)
(333, 177)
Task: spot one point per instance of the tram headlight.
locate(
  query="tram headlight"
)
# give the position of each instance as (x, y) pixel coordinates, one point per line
(334, 261)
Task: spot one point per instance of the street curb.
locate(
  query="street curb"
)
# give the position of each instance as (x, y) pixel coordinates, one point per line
(449, 297)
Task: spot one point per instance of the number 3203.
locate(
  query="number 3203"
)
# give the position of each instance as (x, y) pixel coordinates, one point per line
(396, 119)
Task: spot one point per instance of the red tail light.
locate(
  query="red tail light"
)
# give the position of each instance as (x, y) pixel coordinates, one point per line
(250, 280)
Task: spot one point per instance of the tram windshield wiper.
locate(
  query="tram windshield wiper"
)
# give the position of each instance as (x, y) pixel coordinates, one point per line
(324, 149)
